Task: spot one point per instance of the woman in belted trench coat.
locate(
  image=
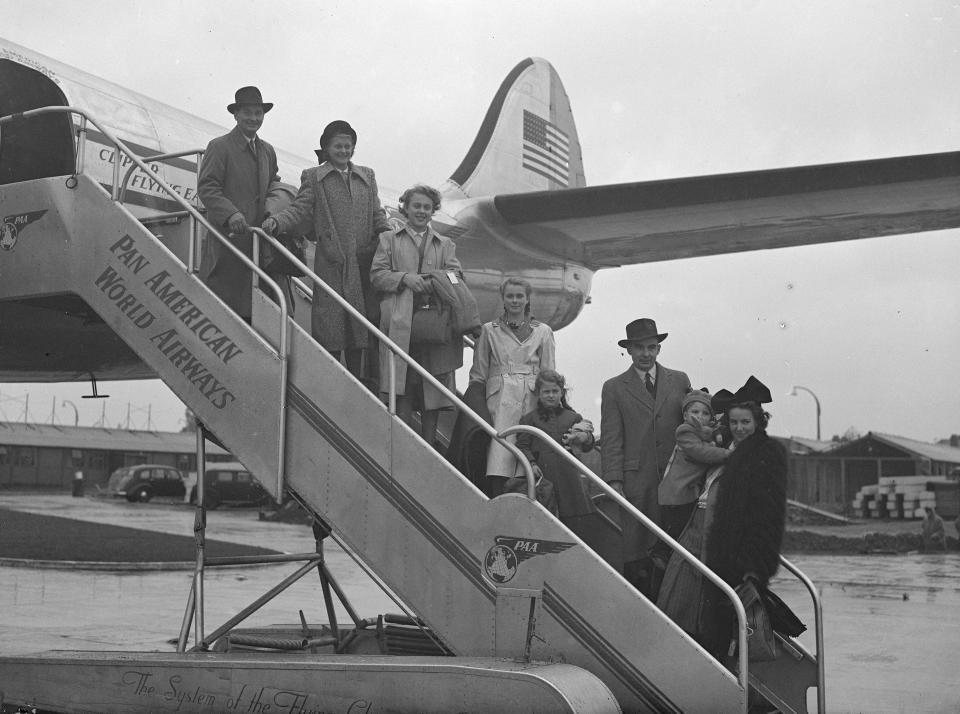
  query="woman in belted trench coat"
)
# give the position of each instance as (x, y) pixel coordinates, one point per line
(511, 351)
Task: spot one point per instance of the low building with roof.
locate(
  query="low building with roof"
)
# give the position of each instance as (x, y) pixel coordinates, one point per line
(831, 478)
(48, 456)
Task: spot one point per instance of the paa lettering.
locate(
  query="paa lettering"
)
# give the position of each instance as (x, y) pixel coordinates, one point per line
(128, 255)
(526, 546)
(144, 181)
(181, 696)
(180, 305)
(283, 702)
(112, 285)
(140, 683)
(168, 342)
(109, 154)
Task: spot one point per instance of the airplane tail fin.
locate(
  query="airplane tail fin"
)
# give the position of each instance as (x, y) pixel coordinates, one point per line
(528, 140)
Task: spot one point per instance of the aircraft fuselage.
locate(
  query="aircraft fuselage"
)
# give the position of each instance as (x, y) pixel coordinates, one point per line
(59, 338)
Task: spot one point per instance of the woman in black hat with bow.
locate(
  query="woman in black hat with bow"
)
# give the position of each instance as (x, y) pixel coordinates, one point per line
(338, 204)
(737, 528)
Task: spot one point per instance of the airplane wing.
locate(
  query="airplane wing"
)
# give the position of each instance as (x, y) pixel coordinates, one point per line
(608, 226)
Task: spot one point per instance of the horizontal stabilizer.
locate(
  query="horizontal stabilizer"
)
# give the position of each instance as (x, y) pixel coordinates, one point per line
(608, 226)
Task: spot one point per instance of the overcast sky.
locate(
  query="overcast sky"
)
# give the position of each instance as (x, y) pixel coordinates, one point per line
(659, 90)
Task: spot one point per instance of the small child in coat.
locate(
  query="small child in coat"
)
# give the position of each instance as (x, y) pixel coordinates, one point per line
(565, 426)
(683, 478)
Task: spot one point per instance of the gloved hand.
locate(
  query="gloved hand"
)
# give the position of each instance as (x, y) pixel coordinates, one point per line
(237, 223)
(270, 226)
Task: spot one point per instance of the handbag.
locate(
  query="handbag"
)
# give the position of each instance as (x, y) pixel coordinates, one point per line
(279, 264)
(430, 322)
(782, 618)
(544, 489)
(761, 643)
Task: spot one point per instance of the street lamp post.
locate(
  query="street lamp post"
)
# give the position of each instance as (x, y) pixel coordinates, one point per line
(76, 414)
(793, 393)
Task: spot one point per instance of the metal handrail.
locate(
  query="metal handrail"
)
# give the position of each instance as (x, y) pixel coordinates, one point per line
(572, 461)
(281, 350)
(399, 352)
(818, 630)
(638, 515)
(192, 257)
(158, 157)
(118, 192)
(696, 562)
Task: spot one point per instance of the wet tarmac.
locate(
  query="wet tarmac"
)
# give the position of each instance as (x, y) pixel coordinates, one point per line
(892, 628)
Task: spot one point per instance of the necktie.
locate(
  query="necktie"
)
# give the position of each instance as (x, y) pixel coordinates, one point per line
(650, 386)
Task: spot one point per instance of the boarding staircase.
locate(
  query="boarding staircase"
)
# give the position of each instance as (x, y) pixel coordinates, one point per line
(491, 578)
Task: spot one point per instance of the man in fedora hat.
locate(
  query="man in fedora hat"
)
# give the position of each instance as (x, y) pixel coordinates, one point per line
(239, 169)
(639, 413)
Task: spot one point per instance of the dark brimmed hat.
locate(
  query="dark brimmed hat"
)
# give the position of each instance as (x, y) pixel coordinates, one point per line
(248, 95)
(753, 390)
(640, 330)
(338, 126)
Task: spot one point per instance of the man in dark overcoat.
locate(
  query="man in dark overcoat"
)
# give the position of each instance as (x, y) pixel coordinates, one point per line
(239, 169)
(639, 413)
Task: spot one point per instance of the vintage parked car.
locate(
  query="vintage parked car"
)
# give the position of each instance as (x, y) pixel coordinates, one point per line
(230, 482)
(146, 481)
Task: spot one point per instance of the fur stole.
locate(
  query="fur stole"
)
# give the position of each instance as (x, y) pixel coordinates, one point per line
(750, 512)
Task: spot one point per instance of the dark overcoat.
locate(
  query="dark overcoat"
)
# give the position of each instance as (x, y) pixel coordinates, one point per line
(233, 178)
(571, 496)
(345, 218)
(637, 436)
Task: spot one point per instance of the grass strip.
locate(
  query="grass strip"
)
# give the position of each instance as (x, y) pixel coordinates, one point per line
(31, 536)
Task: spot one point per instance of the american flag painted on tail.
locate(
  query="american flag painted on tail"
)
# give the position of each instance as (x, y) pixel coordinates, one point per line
(546, 149)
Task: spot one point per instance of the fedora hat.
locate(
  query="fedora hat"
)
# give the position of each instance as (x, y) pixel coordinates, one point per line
(248, 95)
(640, 330)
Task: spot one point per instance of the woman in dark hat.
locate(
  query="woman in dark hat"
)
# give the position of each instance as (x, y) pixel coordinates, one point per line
(338, 204)
(737, 528)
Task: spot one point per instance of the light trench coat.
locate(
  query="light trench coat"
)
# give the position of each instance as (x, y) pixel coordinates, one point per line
(397, 254)
(508, 369)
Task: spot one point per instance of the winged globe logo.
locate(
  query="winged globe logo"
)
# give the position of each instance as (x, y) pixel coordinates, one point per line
(13, 225)
(501, 562)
